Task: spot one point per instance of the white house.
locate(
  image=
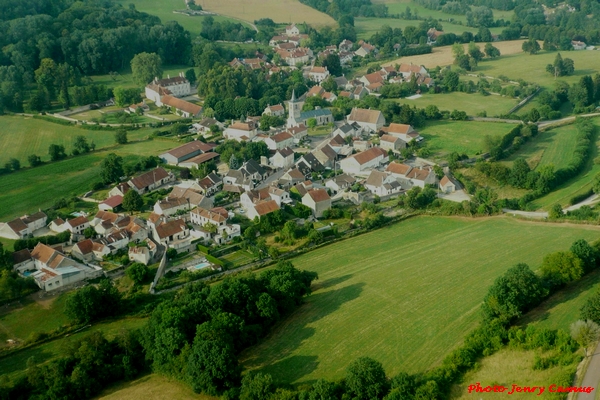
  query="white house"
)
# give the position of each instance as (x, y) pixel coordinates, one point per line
(150, 180)
(186, 152)
(318, 74)
(345, 45)
(181, 107)
(389, 142)
(241, 131)
(55, 270)
(292, 30)
(402, 131)
(174, 234)
(368, 120)
(23, 227)
(171, 206)
(407, 70)
(110, 204)
(77, 225)
(177, 86)
(382, 183)
(275, 111)
(360, 162)
(345, 130)
(421, 177)
(317, 200)
(203, 127)
(143, 252)
(340, 182)
(282, 158)
(577, 45)
(279, 141)
(447, 186)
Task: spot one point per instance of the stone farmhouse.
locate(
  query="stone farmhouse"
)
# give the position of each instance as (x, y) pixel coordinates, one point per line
(368, 120)
(318, 201)
(24, 226)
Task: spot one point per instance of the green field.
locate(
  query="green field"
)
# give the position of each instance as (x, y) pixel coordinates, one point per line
(21, 137)
(444, 137)
(582, 183)
(531, 68)
(16, 363)
(124, 77)
(34, 188)
(152, 387)
(472, 104)
(405, 295)
(554, 146)
(41, 317)
(238, 258)
(560, 310)
(163, 9)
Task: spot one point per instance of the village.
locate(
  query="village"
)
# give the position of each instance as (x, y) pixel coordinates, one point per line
(358, 160)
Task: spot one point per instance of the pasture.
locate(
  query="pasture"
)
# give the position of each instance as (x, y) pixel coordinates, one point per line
(280, 11)
(152, 387)
(405, 294)
(40, 187)
(442, 56)
(21, 137)
(445, 137)
(163, 9)
(471, 103)
(124, 77)
(553, 146)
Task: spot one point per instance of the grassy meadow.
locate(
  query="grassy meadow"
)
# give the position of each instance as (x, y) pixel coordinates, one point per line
(124, 77)
(444, 137)
(471, 103)
(163, 9)
(405, 295)
(21, 137)
(152, 387)
(33, 188)
(280, 11)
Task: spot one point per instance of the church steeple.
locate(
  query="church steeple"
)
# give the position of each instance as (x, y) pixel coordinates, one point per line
(294, 111)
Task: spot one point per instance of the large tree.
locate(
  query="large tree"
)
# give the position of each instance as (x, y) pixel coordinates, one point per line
(585, 333)
(111, 168)
(145, 67)
(366, 379)
(561, 267)
(132, 201)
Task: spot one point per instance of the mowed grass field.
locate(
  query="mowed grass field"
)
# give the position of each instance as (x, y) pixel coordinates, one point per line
(554, 146)
(442, 56)
(28, 190)
(405, 295)
(21, 137)
(163, 9)
(471, 103)
(280, 11)
(444, 137)
(124, 77)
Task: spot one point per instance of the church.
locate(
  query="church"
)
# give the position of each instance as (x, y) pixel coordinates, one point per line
(296, 116)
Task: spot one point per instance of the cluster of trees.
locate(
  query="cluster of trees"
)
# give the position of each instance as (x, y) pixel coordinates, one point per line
(469, 60)
(92, 303)
(339, 9)
(30, 243)
(226, 30)
(53, 51)
(197, 336)
(561, 67)
(235, 153)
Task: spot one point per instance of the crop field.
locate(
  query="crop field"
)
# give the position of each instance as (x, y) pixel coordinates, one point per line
(532, 68)
(152, 387)
(405, 295)
(471, 103)
(554, 146)
(163, 9)
(33, 188)
(22, 136)
(561, 309)
(444, 137)
(442, 56)
(280, 11)
(506, 367)
(15, 364)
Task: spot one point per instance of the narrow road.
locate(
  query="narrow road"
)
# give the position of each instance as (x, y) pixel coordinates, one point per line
(528, 214)
(592, 376)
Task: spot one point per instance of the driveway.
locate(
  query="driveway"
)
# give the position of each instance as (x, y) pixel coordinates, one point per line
(458, 196)
(528, 214)
(592, 376)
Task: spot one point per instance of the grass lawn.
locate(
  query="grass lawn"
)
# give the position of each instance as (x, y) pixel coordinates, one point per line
(506, 367)
(30, 189)
(504, 191)
(7, 243)
(15, 364)
(368, 26)
(152, 387)
(582, 183)
(444, 137)
(280, 11)
(531, 68)
(21, 137)
(405, 295)
(561, 309)
(238, 258)
(554, 146)
(322, 130)
(472, 104)
(124, 78)
(43, 315)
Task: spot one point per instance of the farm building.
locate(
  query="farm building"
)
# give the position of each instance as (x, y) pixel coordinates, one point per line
(366, 160)
(150, 180)
(368, 120)
(23, 227)
(182, 107)
(185, 152)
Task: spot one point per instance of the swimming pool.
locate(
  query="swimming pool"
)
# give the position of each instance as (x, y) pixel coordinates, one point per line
(201, 266)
